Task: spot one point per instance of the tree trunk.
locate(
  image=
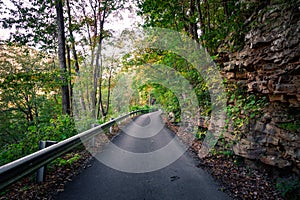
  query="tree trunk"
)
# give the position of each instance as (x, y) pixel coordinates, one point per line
(72, 39)
(99, 67)
(108, 90)
(62, 58)
(193, 24)
(226, 13)
(200, 16)
(207, 14)
(70, 75)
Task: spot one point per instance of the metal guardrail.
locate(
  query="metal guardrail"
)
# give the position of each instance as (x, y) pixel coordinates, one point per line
(17, 169)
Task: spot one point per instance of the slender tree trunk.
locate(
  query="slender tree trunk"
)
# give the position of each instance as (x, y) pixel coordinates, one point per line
(100, 102)
(88, 98)
(207, 15)
(108, 90)
(87, 27)
(225, 5)
(72, 38)
(82, 102)
(70, 75)
(28, 111)
(193, 24)
(101, 109)
(198, 2)
(99, 67)
(185, 19)
(62, 58)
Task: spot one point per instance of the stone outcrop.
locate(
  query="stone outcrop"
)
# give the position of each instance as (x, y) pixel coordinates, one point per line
(269, 65)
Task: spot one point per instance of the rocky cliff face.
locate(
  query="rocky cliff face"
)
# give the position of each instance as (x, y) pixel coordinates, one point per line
(269, 65)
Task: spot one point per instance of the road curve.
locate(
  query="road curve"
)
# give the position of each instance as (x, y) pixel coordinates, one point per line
(121, 177)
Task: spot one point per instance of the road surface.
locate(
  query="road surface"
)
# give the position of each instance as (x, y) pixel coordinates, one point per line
(129, 170)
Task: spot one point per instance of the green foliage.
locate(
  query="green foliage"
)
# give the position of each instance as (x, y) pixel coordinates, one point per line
(291, 126)
(289, 188)
(228, 153)
(219, 22)
(227, 28)
(69, 159)
(57, 130)
(23, 87)
(165, 98)
(35, 22)
(161, 13)
(242, 109)
(138, 107)
(200, 134)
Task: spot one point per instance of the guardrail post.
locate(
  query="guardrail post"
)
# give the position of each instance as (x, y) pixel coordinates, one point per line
(110, 128)
(92, 142)
(41, 173)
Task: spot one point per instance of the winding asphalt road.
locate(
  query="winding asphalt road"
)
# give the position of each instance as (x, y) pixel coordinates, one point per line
(138, 165)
